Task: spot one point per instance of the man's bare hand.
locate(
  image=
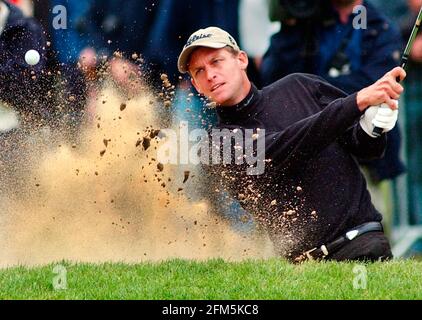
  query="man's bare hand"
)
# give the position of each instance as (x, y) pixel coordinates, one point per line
(385, 90)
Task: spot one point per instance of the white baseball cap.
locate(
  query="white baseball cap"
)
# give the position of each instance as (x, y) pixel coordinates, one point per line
(211, 37)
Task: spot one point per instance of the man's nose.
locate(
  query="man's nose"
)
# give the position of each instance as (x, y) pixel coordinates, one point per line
(210, 74)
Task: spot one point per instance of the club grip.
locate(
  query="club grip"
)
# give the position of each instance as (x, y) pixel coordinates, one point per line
(378, 131)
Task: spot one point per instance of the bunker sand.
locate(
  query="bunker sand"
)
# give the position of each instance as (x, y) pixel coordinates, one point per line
(106, 198)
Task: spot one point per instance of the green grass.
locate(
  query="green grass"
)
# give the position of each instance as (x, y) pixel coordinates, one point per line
(216, 279)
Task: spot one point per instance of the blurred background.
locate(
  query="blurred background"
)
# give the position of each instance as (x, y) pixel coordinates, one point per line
(135, 44)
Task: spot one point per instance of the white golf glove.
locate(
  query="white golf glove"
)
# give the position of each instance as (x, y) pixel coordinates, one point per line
(379, 116)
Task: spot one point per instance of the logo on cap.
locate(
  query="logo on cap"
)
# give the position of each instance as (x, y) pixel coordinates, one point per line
(197, 37)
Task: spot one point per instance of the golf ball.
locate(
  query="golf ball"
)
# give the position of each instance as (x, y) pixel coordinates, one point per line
(32, 57)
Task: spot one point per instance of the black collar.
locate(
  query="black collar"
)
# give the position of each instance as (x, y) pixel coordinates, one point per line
(246, 108)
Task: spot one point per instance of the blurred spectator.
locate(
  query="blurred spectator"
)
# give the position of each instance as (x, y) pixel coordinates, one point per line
(316, 46)
(88, 31)
(113, 27)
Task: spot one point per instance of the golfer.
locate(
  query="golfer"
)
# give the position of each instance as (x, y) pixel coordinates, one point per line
(312, 198)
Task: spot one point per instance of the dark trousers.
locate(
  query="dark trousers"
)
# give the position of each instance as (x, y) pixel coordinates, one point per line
(371, 247)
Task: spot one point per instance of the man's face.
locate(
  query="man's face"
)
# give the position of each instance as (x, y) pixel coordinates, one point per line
(220, 75)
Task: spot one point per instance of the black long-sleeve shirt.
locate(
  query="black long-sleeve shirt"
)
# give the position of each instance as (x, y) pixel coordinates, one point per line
(312, 190)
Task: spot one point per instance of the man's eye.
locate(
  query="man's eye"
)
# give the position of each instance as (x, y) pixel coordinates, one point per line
(198, 71)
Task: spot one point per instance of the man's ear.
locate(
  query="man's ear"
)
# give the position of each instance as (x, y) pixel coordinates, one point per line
(192, 80)
(243, 60)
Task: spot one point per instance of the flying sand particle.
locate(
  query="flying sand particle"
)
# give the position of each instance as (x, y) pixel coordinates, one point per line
(186, 174)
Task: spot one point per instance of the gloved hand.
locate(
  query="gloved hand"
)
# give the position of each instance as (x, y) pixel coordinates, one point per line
(379, 116)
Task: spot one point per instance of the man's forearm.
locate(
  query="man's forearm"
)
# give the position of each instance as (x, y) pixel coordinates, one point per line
(304, 139)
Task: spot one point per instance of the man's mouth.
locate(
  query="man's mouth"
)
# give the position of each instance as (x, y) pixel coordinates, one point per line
(215, 87)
